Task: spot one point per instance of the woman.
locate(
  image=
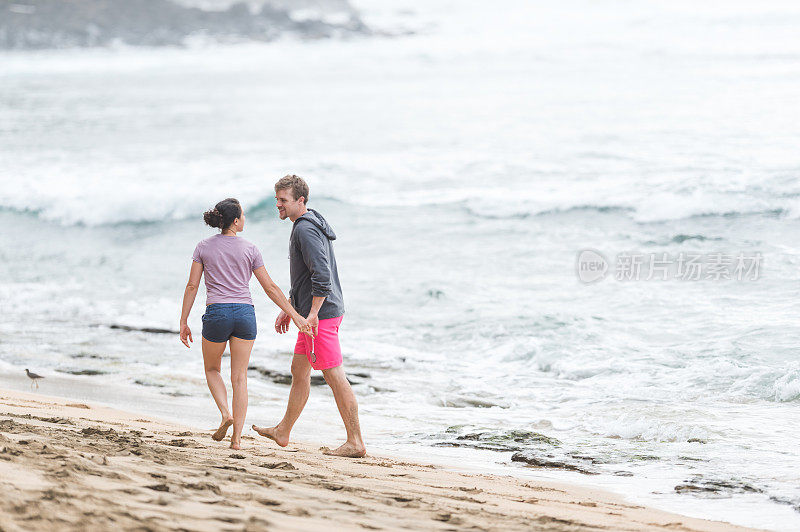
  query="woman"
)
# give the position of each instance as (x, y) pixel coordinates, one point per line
(228, 262)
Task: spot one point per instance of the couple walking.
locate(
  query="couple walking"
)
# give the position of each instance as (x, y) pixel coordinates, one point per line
(315, 306)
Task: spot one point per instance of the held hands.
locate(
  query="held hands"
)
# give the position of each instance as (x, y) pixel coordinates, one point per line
(304, 325)
(283, 320)
(186, 333)
(313, 322)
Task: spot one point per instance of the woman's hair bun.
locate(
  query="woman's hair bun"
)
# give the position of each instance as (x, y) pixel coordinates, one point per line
(213, 217)
(223, 214)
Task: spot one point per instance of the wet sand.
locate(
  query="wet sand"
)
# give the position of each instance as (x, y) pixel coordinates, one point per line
(66, 465)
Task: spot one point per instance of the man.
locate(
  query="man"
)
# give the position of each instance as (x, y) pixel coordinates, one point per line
(315, 293)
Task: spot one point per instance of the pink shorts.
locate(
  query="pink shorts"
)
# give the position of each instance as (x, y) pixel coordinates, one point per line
(323, 351)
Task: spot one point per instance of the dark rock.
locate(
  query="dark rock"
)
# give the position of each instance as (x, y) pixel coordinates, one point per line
(549, 462)
(150, 384)
(32, 24)
(83, 354)
(154, 330)
(280, 377)
(794, 503)
(518, 436)
(647, 457)
(512, 440)
(89, 372)
(471, 402)
(712, 487)
(176, 394)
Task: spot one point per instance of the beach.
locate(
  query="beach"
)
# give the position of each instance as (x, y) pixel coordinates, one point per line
(70, 465)
(467, 155)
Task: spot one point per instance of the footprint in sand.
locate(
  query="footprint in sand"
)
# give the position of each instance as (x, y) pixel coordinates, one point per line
(203, 486)
(161, 501)
(269, 502)
(279, 465)
(226, 519)
(297, 512)
(230, 468)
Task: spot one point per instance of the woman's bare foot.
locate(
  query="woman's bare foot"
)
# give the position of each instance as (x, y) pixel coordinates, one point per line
(347, 449)
(222, 430)
(236, 444)
(272, 434)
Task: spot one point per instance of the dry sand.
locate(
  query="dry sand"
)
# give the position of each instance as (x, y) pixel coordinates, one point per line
(74, 466)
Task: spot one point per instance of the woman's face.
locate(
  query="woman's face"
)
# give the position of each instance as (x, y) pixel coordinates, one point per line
(238, 223)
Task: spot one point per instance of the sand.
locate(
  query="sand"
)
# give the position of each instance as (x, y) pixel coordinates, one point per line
(77, 466)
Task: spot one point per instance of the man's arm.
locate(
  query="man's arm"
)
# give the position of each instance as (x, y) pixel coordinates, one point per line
(313, 248)
(313, 316)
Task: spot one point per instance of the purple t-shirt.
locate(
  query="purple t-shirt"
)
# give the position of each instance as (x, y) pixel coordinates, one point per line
(228, 263)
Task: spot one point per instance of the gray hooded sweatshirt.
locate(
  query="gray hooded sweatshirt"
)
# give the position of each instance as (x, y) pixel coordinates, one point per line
(312, 266)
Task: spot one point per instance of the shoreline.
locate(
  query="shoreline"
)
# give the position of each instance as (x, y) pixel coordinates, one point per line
(73, 464)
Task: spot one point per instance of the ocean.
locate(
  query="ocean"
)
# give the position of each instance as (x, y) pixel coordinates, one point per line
(465, 163)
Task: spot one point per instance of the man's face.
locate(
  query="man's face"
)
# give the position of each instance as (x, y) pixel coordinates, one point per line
(288, 207)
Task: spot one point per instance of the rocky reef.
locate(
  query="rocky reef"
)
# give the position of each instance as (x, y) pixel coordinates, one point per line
(36, 24)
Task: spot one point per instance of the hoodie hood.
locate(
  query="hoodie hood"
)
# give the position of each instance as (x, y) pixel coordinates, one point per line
(316, 218)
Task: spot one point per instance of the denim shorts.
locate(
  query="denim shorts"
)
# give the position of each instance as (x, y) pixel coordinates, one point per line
(223, 320)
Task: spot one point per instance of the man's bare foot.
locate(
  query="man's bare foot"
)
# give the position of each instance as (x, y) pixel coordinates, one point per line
(273, 435)
(348, 449)
(222, 430)
(236, 445)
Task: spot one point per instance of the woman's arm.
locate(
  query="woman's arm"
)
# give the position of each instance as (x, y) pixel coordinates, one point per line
(188, 300)
(276, 295)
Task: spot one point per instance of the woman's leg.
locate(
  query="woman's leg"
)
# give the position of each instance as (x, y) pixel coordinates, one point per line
(240, 359)
(212, 360)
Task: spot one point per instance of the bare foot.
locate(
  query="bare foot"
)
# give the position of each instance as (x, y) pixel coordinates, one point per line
(350, 450)
(236, 445)
(273, 435)
(222, 430)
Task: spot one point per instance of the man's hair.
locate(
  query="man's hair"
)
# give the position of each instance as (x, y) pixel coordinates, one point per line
(296, 184)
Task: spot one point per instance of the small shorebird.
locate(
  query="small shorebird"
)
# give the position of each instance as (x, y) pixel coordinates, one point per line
(33, 377)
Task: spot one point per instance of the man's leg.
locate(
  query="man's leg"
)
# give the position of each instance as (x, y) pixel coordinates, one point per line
(348, 409)
(298, 396)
